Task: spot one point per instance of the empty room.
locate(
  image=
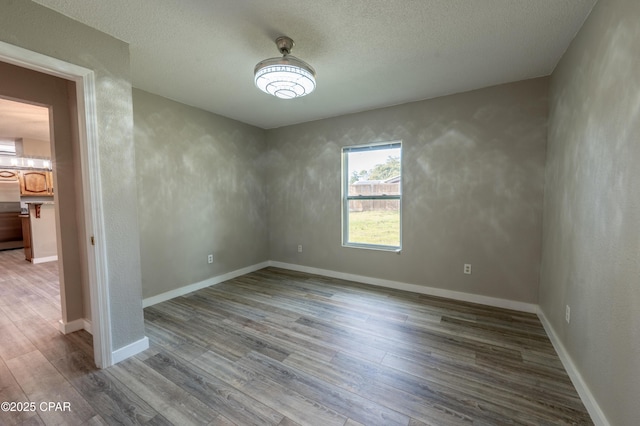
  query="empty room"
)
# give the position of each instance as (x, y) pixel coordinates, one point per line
(321, 212)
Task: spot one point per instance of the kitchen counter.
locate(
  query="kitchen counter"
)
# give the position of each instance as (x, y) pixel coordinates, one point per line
(39, 229)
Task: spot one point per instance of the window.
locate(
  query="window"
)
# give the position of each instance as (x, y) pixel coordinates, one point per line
(372, 196)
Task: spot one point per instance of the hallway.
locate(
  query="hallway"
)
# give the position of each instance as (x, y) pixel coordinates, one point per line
(30, 340)
(28, 292)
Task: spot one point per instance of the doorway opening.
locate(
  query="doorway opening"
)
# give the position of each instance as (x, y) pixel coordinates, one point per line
(78, 200)
(29, 217)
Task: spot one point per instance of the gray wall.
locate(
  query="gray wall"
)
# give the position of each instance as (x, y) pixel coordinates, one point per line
(591, 249)
(473, 174)
(202, 190)
(36, 28)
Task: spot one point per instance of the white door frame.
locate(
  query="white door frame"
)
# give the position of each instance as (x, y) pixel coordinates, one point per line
(91, 185)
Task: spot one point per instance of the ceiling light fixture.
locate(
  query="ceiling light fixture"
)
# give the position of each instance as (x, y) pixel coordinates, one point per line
(287, 77)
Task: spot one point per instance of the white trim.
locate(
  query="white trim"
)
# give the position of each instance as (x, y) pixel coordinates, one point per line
(589, 401)
(70, 327)
(75, 325)
(345, 197)
(87, 326)
(163, 297)
(94, 221)
(44, 259)
(38, 62)
(130, 350)
(431, 291)
(91, 184)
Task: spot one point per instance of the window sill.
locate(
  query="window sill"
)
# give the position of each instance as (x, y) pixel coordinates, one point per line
(391, 249)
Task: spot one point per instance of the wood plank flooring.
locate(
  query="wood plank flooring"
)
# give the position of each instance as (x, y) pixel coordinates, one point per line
(277, 347)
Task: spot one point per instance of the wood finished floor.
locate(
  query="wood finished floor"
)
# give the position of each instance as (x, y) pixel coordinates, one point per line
(283, 348)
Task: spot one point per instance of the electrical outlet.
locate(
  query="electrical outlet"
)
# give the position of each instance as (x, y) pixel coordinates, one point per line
(567, 314)
(467, 268)
(300, 248)
(210, 258)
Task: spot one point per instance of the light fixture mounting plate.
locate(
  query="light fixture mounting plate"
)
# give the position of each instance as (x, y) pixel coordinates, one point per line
(285, 44)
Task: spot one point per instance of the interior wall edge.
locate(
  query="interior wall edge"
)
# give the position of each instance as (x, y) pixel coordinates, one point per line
(589, 401)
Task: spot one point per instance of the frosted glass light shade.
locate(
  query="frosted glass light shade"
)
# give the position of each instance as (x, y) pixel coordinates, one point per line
(287, 77)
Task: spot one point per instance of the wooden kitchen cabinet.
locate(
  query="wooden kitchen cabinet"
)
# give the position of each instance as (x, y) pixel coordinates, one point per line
(36, 182)
(9, 175)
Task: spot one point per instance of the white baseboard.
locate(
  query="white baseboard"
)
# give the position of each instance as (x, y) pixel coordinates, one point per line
(70, 327)
(163, 297)
(589, 401)
(44, 259)
(431, 291)
(129, 350)
(75, 325)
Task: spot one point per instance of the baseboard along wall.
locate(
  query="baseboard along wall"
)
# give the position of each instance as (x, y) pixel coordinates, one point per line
(589, 401)
(130, 350)
(75, 325)
(44, 259)
(163, 297)
(420, 289)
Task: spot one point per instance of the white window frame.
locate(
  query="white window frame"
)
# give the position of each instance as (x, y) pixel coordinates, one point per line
(346, 197)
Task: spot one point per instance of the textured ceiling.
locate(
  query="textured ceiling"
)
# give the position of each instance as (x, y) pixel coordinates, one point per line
(367, 53)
